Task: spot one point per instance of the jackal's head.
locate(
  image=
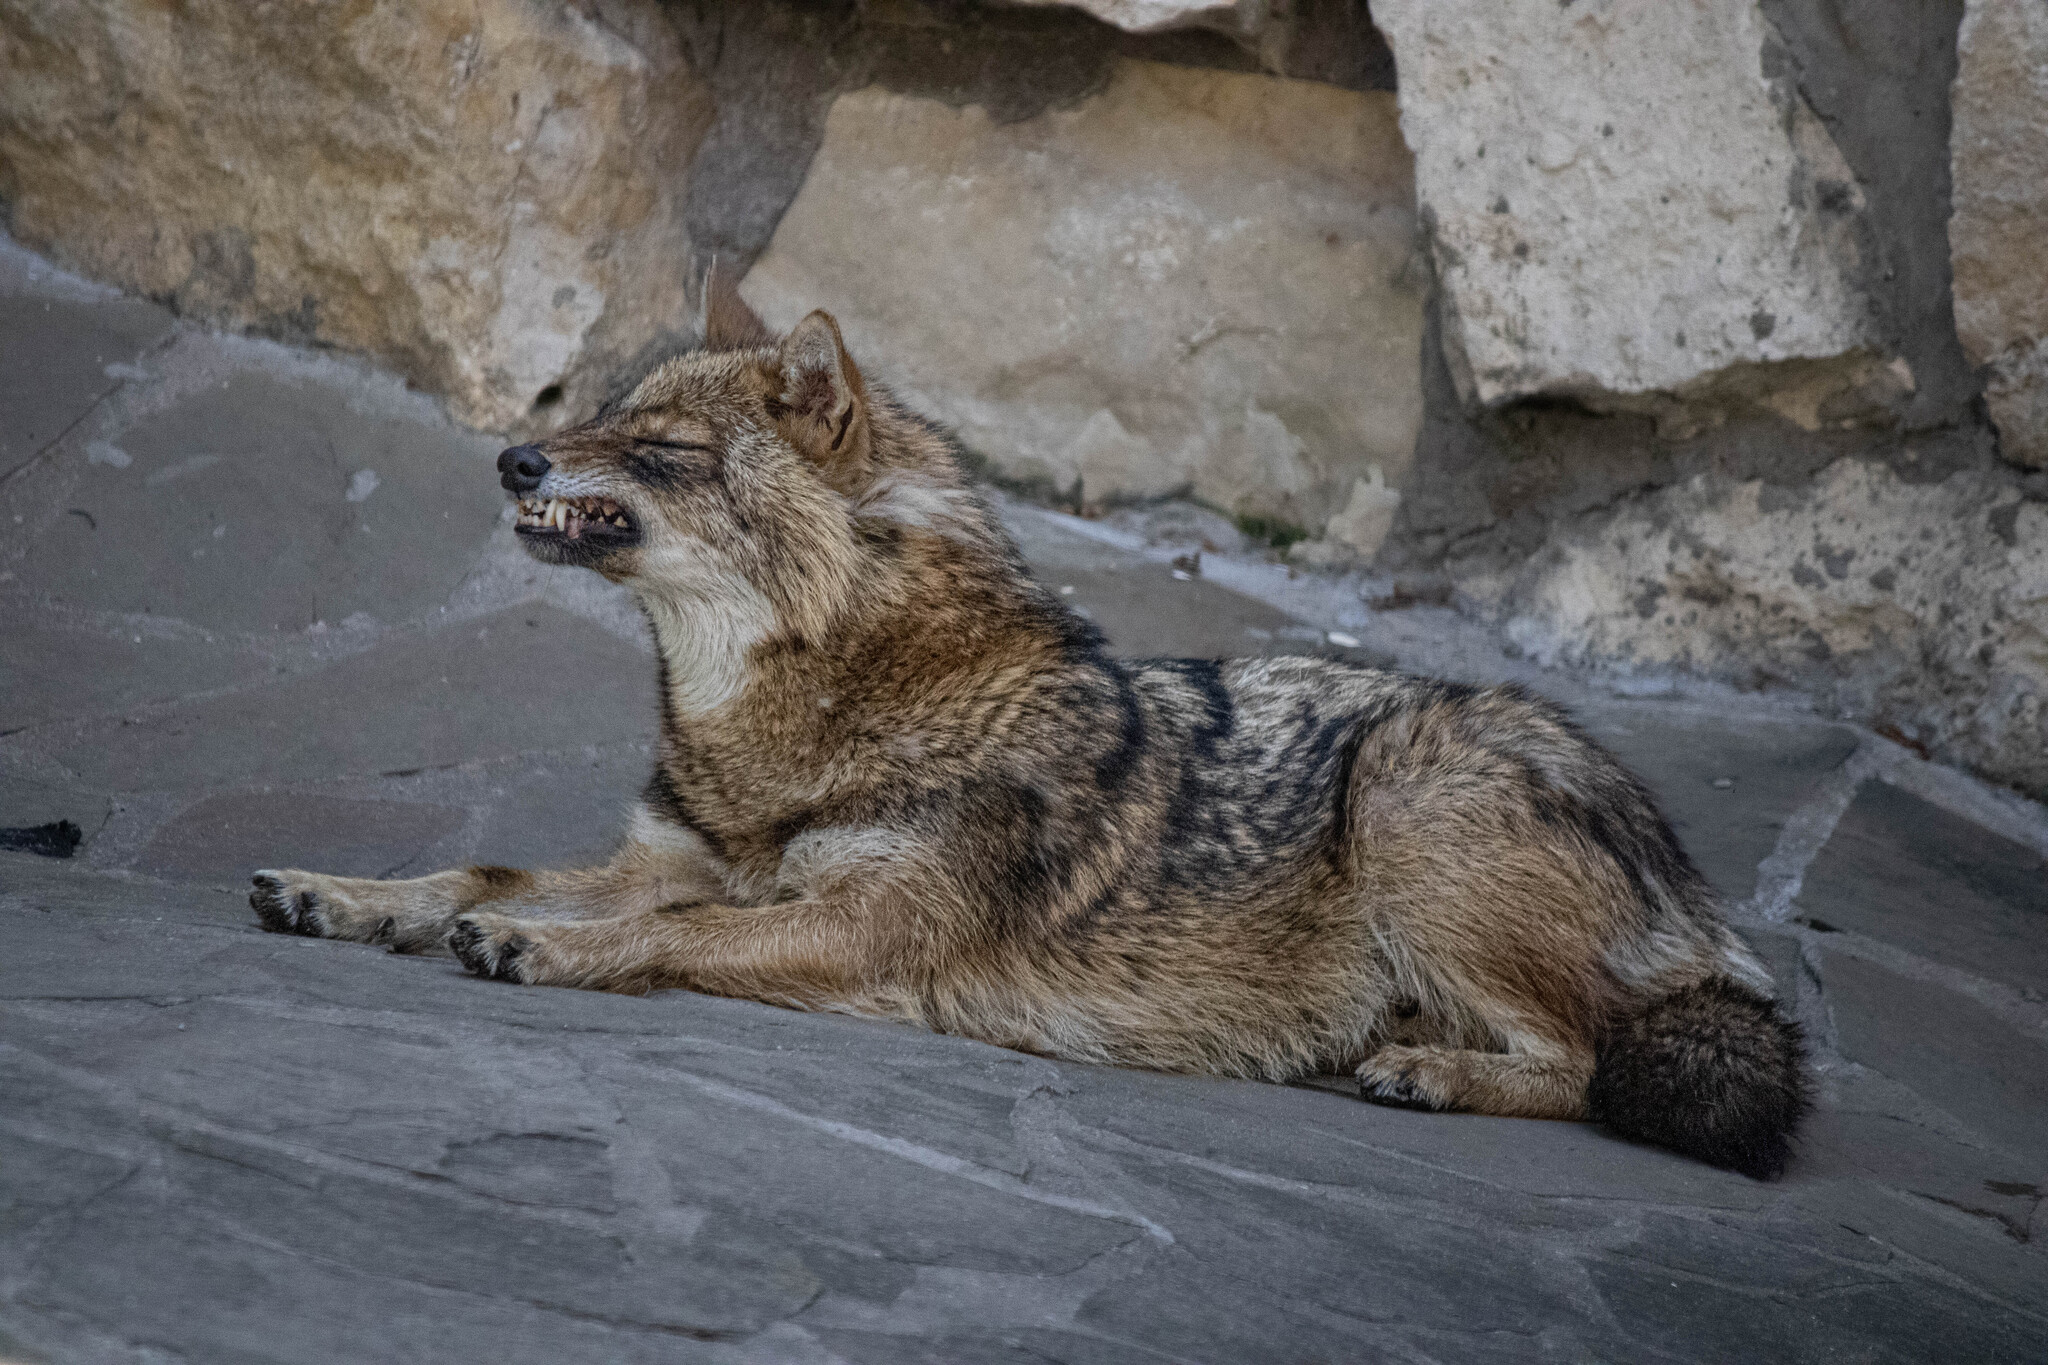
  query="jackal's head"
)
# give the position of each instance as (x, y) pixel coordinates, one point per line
(738, 485)
(718, 447)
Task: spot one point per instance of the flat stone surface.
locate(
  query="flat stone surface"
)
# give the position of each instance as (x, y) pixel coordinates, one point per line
(1726, 786)
(1936, 1171)
(268, 504)
(57, 354)
(1781, 951)
(222, 1145)
(59, 670)
(1911, 874)
(219, 840)
(526, 678)
(1960, 1057)
(26, 802)
(515, 1174)
(564, 807)
(1146, 611)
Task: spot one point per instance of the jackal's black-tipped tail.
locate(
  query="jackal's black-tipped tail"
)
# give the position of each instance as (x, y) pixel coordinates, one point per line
(1712, 1070)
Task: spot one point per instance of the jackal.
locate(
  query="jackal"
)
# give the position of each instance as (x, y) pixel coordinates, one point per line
(898, 778)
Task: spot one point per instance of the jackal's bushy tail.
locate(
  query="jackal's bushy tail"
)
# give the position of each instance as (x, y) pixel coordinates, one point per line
(1712, 1070)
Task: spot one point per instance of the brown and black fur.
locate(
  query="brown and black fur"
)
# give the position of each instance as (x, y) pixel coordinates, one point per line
(897, 777)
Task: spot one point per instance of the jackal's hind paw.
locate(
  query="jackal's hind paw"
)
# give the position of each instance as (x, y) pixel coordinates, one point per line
(491, 947)
(1393, 1076)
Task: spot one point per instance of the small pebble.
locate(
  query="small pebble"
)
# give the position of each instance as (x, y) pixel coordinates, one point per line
(1723, 783)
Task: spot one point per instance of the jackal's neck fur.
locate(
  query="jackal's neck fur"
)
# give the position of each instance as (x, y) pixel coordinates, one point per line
(908, 600)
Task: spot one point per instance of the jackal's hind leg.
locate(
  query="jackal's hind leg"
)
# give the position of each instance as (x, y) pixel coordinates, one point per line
(1540, 1081)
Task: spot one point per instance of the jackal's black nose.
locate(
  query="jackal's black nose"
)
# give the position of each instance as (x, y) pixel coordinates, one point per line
(520, 469)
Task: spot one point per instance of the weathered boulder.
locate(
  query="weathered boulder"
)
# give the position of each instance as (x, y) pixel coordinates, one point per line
(485, 194)
(1998, 234)
(1631, 205)
(1195, 280)
(1918, 605)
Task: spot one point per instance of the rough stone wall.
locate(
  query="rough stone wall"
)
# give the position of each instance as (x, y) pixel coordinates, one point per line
(1879, 555)
(512, 201)
(1999, 244)
(1632, 205)
(776, 67)
(487, 195)
(1191, 281)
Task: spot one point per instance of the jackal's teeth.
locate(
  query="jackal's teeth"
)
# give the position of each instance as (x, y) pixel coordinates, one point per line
(571, 515)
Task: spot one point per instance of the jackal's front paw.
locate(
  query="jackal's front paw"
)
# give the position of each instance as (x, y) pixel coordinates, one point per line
(1395, 1076)
(408, 917)
(288, 903)
(493, 946)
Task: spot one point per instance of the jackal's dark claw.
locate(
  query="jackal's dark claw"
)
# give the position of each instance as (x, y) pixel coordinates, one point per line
(474, 948)
(283, 911)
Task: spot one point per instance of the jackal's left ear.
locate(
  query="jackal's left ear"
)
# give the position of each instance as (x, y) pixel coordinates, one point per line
(822, 404)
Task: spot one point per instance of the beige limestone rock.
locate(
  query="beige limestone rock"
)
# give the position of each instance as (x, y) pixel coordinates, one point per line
(484, 193)
(1622, 202)
(1196, 280)
(1354, 534)
(1367, 518)
(1998, 234)
(1920, 605)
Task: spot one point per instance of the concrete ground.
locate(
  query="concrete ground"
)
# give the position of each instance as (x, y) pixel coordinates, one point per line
(263, 607)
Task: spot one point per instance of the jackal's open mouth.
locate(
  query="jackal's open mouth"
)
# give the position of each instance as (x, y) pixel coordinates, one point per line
(599, 519)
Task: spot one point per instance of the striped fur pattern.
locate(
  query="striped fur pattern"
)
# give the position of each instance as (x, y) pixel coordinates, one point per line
(896, 777)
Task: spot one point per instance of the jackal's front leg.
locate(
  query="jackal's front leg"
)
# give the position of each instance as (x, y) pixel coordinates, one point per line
(811, 953)
(659, 865)
(410, 916)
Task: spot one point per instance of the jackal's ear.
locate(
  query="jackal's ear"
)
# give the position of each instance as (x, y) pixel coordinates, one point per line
(729, 325)
(821, 404)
